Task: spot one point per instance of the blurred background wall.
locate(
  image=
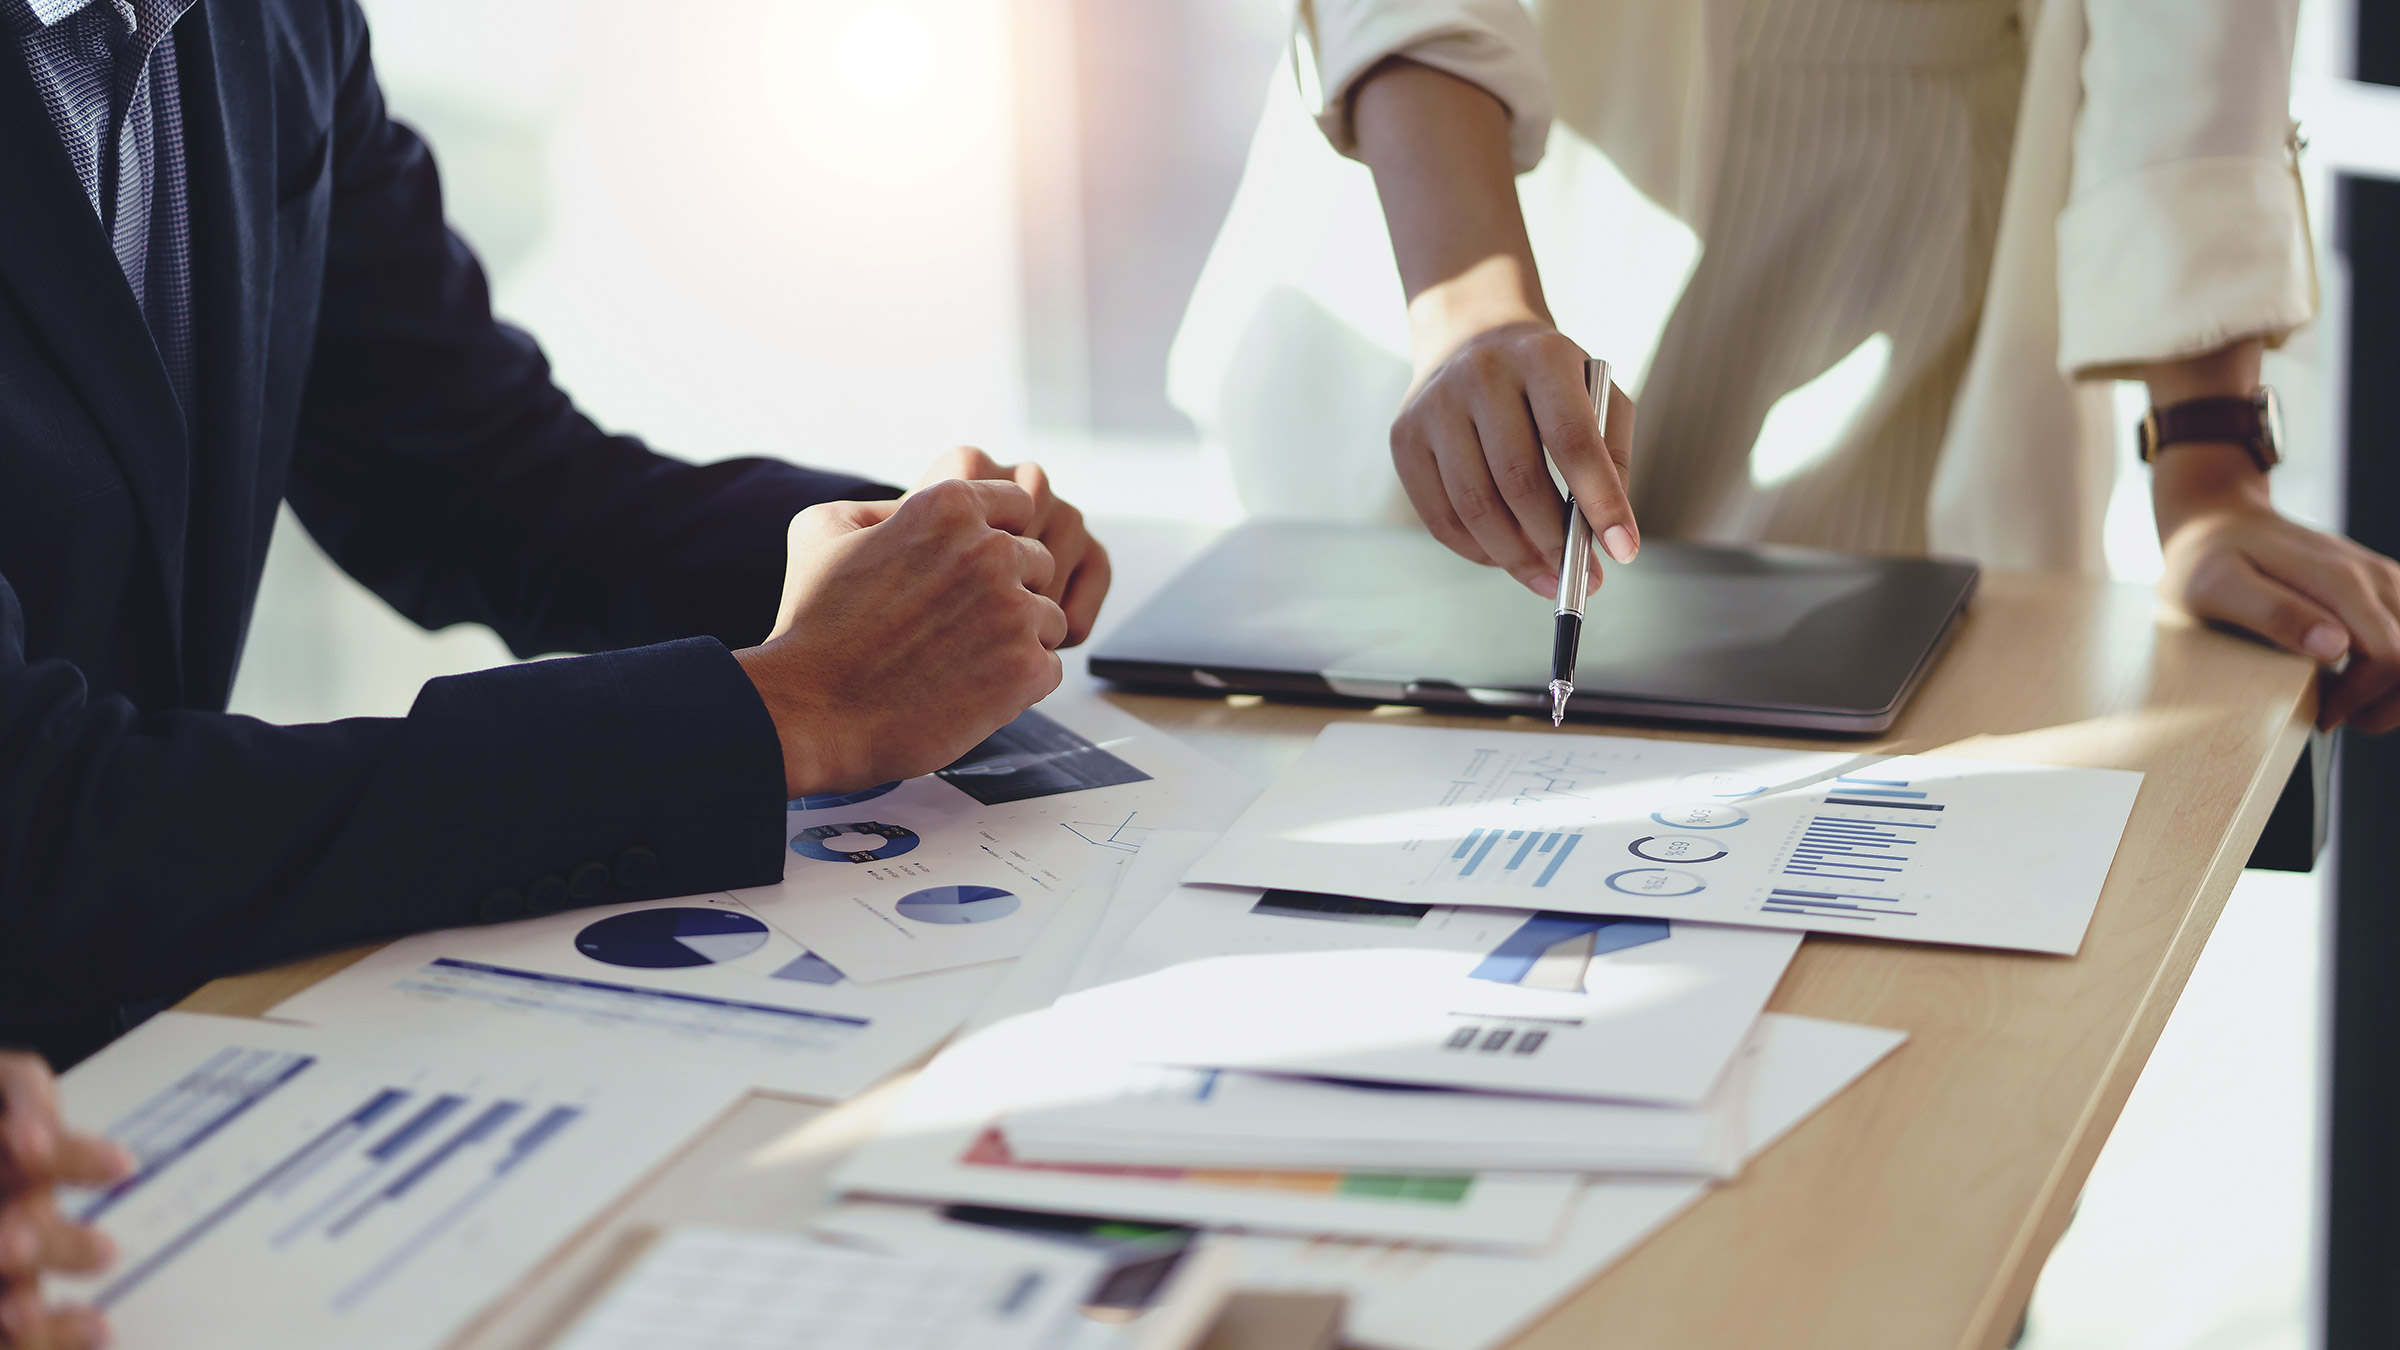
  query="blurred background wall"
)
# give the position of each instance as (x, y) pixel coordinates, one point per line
(856, 232)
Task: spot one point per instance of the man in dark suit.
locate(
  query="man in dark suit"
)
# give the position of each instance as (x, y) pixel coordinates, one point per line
(225, 283)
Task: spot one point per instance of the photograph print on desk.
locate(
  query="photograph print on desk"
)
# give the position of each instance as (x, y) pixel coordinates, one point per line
(1919, 848)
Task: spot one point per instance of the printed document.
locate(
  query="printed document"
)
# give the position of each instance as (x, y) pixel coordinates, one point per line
(698, 981)
(966, 865)
(1927, 849)
(1407, 1297)
(1551, 1002)
(301, 1187)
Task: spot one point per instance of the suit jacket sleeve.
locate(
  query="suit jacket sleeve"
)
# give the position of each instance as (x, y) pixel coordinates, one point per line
(143, 850)
(438, 464)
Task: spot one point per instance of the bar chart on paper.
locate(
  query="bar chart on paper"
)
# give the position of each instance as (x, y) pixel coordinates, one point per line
(1925, 848)
(364, 1195)
(303, 1187)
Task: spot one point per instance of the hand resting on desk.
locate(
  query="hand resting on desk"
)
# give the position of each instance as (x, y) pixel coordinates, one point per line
(908, 632)
(38, 1153)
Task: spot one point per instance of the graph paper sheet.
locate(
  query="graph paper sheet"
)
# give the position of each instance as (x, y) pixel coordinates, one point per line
(720, 1289)
(1576, 1005)
(303, 1188)
(1983, 853)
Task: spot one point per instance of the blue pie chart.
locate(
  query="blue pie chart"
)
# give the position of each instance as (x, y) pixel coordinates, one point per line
(863, 841)
(958, 904)
(664, 939)
(826, 800)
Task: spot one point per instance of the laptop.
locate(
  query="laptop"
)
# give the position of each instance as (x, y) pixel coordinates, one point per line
(1789, 638)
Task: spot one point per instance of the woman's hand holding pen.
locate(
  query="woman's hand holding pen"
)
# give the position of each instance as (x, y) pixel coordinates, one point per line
(1495, 380)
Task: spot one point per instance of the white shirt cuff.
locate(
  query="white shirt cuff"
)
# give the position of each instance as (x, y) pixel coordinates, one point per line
(2181, 259)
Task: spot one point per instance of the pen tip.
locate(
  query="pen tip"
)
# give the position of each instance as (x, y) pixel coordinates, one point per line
(1559, 689)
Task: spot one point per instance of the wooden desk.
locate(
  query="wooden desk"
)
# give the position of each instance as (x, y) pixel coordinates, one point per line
(1914, 1211)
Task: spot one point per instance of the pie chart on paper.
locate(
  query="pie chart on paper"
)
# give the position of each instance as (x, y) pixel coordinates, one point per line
(664, 939)
(958, 904)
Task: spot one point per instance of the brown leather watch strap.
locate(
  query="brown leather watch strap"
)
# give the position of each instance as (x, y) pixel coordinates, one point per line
(2244, 420)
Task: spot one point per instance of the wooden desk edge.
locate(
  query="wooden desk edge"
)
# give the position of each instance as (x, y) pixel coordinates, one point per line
(2031, 1249)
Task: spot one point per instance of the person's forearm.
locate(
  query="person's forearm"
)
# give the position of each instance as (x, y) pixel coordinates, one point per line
(2190, 476)
(1439, 149)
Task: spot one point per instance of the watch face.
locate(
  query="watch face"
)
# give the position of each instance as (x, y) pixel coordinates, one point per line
(2270, 420)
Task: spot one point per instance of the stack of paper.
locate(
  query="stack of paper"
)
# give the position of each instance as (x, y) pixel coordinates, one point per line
(1451, 1018)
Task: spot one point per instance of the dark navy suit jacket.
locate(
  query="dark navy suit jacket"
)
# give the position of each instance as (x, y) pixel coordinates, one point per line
(348, 363)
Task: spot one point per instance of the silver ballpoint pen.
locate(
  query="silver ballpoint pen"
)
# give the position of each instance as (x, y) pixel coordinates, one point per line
(1574, 570)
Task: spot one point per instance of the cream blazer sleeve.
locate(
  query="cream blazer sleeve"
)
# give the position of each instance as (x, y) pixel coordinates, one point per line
(2184, 227)
(1490, 43)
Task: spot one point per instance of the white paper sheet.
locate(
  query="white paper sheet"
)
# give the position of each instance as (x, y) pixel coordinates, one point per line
(697, 980)
(1219, 1118)
(1986, 854)
(301, 1188)
(1146, 881)
(940, 1144)
(1405, 1297)
(726, 1289)
(966, 865)
(1646, 1010)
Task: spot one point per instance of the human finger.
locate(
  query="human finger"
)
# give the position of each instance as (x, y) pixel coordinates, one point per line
(63, 1245)
(1594, 465)
(1086, 589)
(1421, 479)
(1036, 482)
(1050, 623)
(1512, 451)
(1037, 567)
(2351, 587)
(961, 503)
(26, 1325)
(1467, 479)
(28, 1116)
(89, 1160)
(962, 462)
(2228, 588)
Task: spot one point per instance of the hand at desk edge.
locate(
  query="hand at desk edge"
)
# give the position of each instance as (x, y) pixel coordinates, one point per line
(37, 1154)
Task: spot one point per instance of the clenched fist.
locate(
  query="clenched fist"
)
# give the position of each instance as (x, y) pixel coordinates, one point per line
(909, 631)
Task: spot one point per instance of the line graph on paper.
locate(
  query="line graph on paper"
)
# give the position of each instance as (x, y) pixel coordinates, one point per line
(1851, 856)
(1122, 836)
(1521, 813)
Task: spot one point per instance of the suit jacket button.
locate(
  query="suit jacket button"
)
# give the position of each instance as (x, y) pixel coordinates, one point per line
(635, 866)
(500, 904)
(587, 882)
(547, 894)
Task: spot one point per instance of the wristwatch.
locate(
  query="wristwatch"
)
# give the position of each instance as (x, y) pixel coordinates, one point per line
(2253, 421)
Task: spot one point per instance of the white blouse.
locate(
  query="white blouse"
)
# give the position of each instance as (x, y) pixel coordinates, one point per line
(2151, 209)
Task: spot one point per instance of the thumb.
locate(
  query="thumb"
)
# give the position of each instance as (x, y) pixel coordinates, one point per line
(2240, 594)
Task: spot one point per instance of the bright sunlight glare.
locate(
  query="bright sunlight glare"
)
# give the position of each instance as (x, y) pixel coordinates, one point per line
(1806, 424)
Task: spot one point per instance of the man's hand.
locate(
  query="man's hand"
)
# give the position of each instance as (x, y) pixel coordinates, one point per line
(36, 1154)
(909, 631)
(1081, 582)
(2232, 558)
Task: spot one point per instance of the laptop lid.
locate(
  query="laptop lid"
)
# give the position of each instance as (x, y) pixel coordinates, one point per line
(1799, 639)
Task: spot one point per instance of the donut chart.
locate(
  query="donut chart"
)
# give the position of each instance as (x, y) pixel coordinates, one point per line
(1655, 882)
(860, 841)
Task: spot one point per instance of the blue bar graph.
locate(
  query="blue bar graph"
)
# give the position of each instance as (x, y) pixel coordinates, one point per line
(1482, 851)
(1832, 904)
(1525, 850)
(378, 1157)
(191, 1110)
(1558, 859)
(524, 1146)
(1884, 806)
